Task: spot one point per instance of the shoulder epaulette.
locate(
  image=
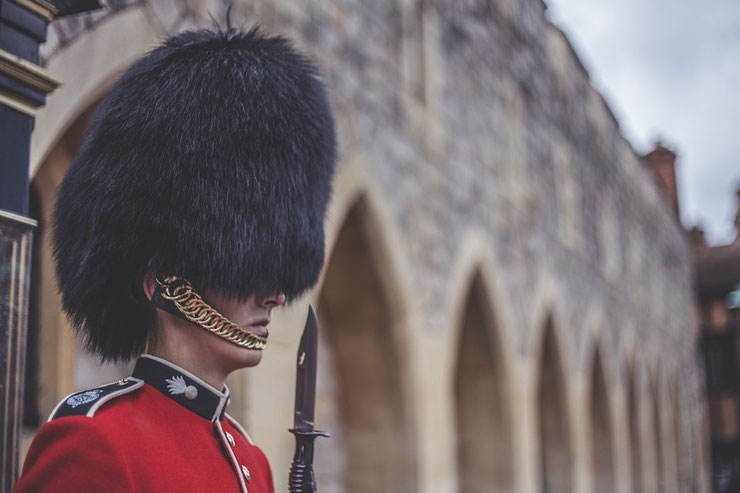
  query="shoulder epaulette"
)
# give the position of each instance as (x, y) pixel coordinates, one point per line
(87, 402)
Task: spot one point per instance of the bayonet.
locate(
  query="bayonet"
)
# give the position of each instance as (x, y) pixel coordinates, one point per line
(301, 479)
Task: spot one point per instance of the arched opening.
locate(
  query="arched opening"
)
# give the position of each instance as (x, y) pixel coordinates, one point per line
(556, 461)
(602, 454)
(633, 416)
(484, 443)
(357, 315)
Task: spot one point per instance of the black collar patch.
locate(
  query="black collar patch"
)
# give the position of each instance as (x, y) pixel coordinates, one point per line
(182, 387)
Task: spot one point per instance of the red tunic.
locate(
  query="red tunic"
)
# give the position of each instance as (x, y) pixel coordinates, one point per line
(161, 430)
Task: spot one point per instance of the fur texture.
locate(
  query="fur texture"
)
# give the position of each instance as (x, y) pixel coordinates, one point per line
(210, 159)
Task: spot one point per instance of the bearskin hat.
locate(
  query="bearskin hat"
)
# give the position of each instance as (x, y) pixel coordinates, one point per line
(210, 159)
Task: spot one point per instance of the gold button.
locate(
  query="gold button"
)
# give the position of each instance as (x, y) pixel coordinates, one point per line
(246, 473)
(230, 437)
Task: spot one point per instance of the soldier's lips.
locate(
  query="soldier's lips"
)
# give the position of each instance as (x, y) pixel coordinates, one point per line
(259, 328)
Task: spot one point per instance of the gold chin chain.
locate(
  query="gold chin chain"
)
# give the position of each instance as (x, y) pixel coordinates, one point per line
(180, 292)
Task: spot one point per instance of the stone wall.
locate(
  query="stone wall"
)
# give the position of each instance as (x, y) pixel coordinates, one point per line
(477, 163)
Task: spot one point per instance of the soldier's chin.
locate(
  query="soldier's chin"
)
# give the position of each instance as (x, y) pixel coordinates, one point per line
(252, 357)
(242, 357)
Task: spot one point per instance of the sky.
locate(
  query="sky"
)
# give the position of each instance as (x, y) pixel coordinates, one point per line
(670, 70)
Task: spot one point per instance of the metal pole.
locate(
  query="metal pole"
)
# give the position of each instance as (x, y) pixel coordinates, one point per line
(15, 260)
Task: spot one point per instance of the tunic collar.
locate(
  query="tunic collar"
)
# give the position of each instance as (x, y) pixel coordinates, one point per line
(182, 387)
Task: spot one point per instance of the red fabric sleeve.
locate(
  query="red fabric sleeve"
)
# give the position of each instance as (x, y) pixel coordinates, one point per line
(74, 454)
(267, 469)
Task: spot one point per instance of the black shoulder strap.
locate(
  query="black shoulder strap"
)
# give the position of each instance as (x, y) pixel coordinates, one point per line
(87, 402)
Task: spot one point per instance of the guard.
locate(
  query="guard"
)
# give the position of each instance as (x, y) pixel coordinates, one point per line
(194, 207)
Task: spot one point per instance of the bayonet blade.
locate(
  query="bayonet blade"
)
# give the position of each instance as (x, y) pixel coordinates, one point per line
(305, 389)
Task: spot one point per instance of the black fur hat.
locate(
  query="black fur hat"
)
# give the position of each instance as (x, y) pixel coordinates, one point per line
(210, 159)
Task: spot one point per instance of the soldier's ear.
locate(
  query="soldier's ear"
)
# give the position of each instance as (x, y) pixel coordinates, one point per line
(149, 284)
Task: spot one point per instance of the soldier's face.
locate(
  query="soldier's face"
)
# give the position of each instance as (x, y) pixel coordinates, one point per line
(253, 315)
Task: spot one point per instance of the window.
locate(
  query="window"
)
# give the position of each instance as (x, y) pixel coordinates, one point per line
(733, 299)
(721, 361)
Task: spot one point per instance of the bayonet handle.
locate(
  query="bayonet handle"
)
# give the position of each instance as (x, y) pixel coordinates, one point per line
(302, 479)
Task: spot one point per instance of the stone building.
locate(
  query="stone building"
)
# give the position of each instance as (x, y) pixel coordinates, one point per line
(718, 299)
(507, 300)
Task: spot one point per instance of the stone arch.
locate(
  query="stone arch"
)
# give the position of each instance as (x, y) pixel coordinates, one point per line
(475, 261)
(546, 313)
(482, 397)
(602, 441)
(554, 430)
(357, 310)
(353, 184)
